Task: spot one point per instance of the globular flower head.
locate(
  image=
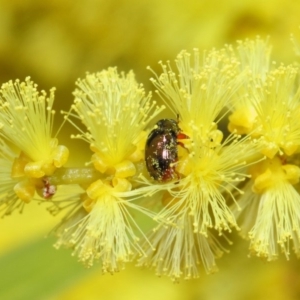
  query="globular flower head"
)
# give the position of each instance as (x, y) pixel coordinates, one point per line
(208, 173)
(268, 108)
(115, 111)
(104, 228)
(267, 105)
(277, 105)
(270, 209)
(207, 167)
(26, 121)
(199, 90)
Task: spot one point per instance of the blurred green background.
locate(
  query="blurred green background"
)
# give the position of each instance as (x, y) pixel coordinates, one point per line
(55, 42)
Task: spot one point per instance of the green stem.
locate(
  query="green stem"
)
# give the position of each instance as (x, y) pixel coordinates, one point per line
(80, 176)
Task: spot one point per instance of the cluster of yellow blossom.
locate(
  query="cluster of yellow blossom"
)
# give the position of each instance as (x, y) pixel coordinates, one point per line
(246, 177)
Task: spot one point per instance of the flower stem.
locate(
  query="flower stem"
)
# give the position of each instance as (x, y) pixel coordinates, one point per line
(80, 176)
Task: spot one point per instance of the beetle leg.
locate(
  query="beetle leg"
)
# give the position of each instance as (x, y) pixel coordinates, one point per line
(182, 136)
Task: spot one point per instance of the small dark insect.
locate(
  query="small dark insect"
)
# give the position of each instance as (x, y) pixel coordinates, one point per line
(161, 150)
(48, 190)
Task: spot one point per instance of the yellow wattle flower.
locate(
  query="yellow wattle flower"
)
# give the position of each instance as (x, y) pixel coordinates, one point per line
(270, 207)
(267, 107)
(107, 232)
(26, 121)
(115, 110)
(267, 104)
(199, 90)
(208, 168)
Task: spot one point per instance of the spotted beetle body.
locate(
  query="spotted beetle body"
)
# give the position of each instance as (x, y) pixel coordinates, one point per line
(161, 150)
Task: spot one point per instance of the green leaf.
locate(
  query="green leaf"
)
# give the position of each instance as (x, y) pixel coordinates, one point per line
(38, 271)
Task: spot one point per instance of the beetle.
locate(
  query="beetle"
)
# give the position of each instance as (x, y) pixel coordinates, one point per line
(161, 150)
(49, 189)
